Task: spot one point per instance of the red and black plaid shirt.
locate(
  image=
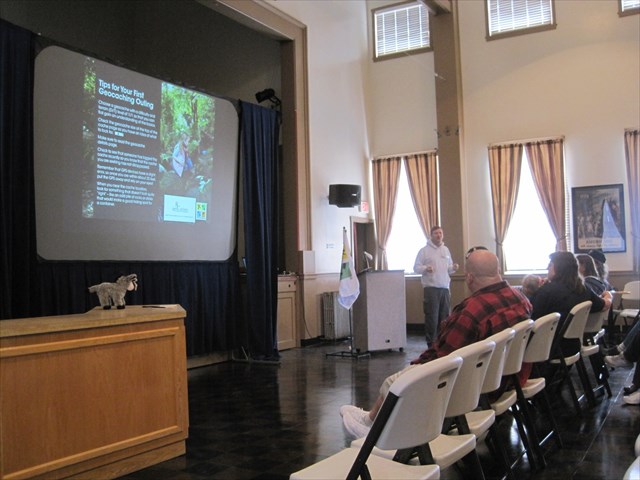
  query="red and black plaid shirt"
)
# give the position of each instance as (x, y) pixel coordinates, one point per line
(484, 313)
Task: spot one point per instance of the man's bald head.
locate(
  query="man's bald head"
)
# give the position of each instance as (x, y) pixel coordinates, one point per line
(482, 269)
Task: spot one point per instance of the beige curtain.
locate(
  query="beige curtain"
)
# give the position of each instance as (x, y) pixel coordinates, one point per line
(386, 174)
(546, 159)
(632, 156)
(422, 175)
(505, 163)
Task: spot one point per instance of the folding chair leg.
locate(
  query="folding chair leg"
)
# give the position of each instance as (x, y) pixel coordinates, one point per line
(499, 450)
(530, 428)
(552, 419)
(586, 384)
(524, 436)
(600, 371)
(472, 462)
(566, 378)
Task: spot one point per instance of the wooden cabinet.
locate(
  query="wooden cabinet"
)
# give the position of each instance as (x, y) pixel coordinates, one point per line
(287, 312)
(96, 395)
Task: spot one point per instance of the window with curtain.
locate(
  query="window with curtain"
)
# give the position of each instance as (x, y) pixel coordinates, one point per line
(401, 29)
(406, 236)
(514, 17)
(529, 239)
(628, 7)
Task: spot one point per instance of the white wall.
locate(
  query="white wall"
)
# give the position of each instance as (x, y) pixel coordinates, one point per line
(358, 109)
(581, 80)
(338, 144)
(403, 100)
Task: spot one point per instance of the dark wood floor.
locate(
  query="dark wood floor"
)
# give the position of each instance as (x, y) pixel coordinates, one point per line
(260, 421)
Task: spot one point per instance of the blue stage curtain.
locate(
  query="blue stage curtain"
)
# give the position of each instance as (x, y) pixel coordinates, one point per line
(208, 291)
(259, 146)
(17, 227)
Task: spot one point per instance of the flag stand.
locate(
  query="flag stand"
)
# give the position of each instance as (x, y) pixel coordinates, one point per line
(351, 353)
(348, 293)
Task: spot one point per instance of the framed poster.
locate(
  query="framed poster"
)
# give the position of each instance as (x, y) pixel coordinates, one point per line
(598, 218)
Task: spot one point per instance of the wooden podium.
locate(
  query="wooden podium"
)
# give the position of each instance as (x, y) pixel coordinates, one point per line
(379, 313)
(92, 396)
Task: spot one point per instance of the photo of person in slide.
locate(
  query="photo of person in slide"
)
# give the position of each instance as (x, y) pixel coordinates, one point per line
(186, 162)
(181, 161)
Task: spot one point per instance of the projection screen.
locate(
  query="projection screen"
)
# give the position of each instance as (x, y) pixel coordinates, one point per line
(128, 167)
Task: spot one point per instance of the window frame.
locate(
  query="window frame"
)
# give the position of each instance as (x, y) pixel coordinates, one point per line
(629, 11)
(520, 31)
(398, 6)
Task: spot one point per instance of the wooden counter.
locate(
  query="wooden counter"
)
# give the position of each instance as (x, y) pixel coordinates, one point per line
(92, 396)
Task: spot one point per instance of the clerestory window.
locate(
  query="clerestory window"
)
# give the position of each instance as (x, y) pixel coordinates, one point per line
(400, 29)
(515, 17)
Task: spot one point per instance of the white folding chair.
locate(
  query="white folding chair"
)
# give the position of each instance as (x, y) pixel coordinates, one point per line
(572, 328)
(481, 422)
(512, 366)
(449, 449)
(537, 351)
(426, 388)
(627, 316)
(591, 349)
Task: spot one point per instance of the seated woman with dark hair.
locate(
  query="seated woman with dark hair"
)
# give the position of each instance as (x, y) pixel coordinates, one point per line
(563, 291)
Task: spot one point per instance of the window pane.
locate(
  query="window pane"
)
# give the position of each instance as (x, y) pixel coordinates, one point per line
(406, 235)
(626, 5)
(401, 29)
(509, 15)
(529, 240)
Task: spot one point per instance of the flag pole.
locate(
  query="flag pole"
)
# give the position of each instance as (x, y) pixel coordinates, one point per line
(348, 293)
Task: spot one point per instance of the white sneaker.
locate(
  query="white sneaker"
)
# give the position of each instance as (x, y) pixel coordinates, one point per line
(349, 408)
(617, 361)
(357, 423)
(632, 398)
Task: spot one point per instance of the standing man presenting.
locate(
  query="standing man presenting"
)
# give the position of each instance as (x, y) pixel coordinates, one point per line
(434, 263)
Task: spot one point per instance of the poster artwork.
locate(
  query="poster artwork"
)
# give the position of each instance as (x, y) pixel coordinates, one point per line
(598, 218)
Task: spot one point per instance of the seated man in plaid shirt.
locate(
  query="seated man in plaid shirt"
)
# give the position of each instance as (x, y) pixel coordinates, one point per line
(492, 306)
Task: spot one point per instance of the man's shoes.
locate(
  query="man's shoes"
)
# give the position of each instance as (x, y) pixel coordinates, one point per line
(345, 409)
(630, 389)
(617, 361)
(632, 398)
(356, 422)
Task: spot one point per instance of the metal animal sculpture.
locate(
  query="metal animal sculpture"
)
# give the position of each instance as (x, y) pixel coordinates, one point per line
(111, 294)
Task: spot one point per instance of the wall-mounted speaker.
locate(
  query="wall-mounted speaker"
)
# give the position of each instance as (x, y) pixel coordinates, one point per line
(344, 196)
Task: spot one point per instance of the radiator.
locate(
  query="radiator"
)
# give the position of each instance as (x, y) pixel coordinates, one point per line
(335, 318)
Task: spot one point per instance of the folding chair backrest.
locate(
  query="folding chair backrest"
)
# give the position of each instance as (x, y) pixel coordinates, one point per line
(513, 362)
(423, 393)
(539, 346)
(595, 321)
(576, 321)
(634, 291)
(493, 376)
(466, 390)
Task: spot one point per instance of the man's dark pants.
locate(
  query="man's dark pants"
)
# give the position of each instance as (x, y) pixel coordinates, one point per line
(436, 306)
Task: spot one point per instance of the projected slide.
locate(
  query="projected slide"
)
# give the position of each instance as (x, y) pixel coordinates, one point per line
(128, 167)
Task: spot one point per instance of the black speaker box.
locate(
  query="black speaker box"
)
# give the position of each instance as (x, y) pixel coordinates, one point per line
(344, 195)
